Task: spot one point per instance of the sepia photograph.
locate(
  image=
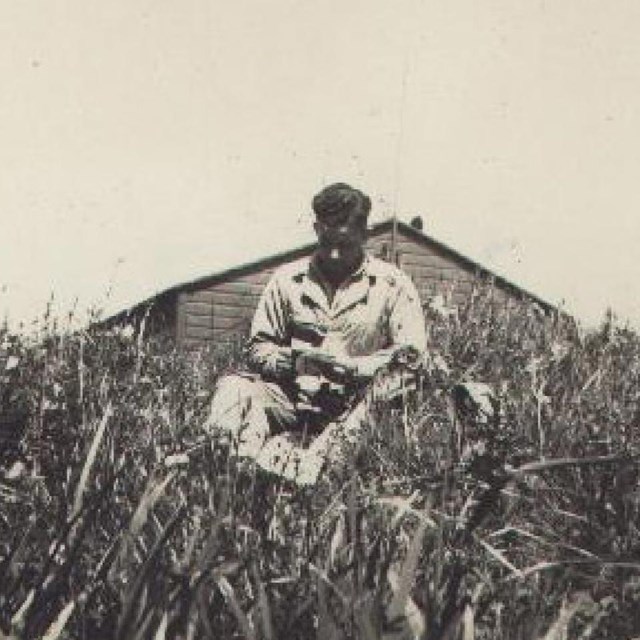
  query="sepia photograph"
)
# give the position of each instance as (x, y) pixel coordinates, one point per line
(319, 320)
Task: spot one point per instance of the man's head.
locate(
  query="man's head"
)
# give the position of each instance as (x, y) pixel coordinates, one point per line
(341, 225)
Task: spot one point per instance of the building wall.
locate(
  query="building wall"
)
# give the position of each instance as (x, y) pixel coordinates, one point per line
(432, 269)
(224, 309)
(221, 310)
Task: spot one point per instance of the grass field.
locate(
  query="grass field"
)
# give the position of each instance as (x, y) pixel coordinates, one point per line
(524, 530)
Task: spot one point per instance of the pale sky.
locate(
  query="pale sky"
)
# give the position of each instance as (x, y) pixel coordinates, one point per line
(148, 142)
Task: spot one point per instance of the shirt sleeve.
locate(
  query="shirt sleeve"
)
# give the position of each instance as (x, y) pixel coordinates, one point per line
(269, 346)
(406, 322)
(406, 327)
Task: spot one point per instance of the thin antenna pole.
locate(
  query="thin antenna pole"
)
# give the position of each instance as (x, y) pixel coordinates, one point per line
(394, 239)
(399, 145)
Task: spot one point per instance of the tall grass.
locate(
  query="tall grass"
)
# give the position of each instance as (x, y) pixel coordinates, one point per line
(524, 528)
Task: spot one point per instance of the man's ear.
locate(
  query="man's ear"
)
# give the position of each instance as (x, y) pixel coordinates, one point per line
(316, 228)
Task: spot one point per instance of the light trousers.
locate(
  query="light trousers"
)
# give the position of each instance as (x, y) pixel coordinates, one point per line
(262, 424)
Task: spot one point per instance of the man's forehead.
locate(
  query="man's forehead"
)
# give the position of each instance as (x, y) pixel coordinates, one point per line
(342, 218)
(337, 218)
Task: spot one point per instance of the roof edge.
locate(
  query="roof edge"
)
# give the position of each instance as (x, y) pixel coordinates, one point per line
(301, 251)
(470, 263)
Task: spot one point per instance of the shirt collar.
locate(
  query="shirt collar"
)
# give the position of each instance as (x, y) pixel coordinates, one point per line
(353, 290)
(364, 269)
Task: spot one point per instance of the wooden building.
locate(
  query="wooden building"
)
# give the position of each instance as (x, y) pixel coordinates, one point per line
(220, 307)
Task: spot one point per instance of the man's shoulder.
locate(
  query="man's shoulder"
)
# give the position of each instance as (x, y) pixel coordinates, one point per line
(389, 272)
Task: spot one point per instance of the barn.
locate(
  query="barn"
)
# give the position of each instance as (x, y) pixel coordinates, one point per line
(219, 307)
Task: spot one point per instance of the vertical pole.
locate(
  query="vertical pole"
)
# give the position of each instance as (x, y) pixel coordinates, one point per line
(394, 239)
(399, 144)
(180, 319)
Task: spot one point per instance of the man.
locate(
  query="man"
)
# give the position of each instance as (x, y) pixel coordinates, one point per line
(323, 327)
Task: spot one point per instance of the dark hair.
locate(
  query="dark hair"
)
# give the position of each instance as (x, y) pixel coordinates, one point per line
(340, 198)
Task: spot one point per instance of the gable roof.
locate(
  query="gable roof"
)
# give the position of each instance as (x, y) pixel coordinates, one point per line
(467, 263)
(376, 229)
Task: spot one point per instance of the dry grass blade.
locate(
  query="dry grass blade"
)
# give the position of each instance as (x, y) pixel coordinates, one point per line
(522, 532)
(190, 546)
(542, 465)
(402, 606)
(468, 624)
(264, 608)
(337, 540)
(558, 630)
(365, 615)
(230, 598)
(453, 626)
(405, 506)
(499, 556)
(408, 570)
(88, 464)
(543, 541)
(19, 617)
(143, 628)
(192, 622)
(327, 630)
(321, 575)
(161, 632)
(58, 625)
(207, 559)
(543, 566)
(412, 622)
(9, 567)
(132, 598)
(147, 502)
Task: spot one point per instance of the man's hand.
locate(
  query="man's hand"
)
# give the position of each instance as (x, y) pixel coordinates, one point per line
(313, 362)
(282, 363)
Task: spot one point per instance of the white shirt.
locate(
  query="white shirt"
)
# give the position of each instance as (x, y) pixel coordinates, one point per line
(373, 313)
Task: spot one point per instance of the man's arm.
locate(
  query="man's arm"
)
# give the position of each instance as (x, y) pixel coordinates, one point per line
(269, 348)
(406, 322)
(269, 351)
(407, 330)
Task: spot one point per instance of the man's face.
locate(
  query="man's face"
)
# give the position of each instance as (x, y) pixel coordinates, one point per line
(341, 238)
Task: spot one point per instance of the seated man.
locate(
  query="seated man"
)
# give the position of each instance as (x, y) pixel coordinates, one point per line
(323, 327)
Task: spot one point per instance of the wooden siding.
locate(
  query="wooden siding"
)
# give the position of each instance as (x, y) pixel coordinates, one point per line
(435, 271)
(223, 310)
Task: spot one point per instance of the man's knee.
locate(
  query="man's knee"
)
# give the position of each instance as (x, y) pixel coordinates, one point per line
(243, 400)
(233, 397)
(235, 386)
